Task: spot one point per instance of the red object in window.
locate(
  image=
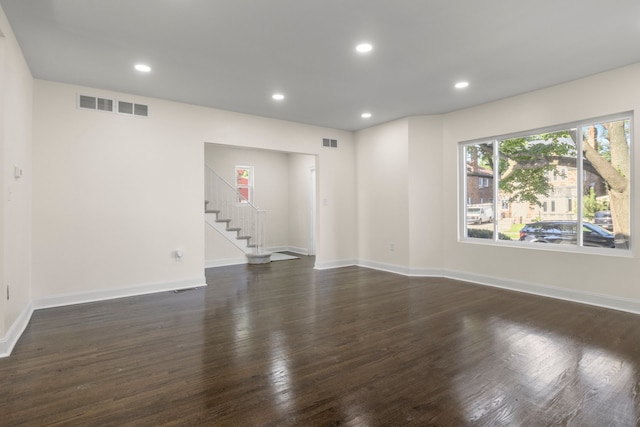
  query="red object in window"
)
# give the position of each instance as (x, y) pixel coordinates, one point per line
(244, 192)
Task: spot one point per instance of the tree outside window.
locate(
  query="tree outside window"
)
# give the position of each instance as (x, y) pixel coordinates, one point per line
(541, 175)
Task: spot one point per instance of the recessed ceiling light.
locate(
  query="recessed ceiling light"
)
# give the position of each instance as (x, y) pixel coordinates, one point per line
(461, 85)
(365, 115)
(364, 47)
(142, 68)
(277, 96)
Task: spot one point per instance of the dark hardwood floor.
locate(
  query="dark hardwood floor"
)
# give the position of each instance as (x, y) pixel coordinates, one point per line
(284, 345)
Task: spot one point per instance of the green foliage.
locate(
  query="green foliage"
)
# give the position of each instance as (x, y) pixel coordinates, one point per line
(526, 163)
(485, 234)
(592, 205)
(527, 185)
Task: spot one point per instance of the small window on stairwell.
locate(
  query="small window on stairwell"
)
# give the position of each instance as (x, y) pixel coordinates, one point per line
(244, 183)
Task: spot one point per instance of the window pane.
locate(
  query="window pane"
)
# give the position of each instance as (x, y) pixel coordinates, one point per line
(551, 183)
(242, 176)
(479, 176)
(538, 177)
(244, 194)
(244, 183)
(607, 178)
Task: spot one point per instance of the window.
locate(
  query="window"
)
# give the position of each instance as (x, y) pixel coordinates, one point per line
(244, 183)
(584, 167)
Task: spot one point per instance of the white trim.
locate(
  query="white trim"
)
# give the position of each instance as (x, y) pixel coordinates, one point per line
(19, 325)
(313, 190)
(327, 265)
(426, 272)
(224, 262)
(381, 266)
(301, 251)
(277, 248)
(573, 295)
(15, 331)
(107, 294)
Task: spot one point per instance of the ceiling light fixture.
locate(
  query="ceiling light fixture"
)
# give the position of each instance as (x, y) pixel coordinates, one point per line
(364, 47)
(461, 85)
(365, 115)
(142, 68)
(277, 96)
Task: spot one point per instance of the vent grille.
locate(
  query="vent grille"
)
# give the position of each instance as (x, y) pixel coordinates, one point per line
(125, 107)
(95, 103)
(105, 104)
(330, 143)
(133, 109)
(140, 110)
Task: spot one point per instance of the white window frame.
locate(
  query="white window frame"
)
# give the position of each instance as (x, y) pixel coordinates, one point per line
(463, 202)
(248, 186)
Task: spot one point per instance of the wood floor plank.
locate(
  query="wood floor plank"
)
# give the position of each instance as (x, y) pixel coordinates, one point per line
(282, 344)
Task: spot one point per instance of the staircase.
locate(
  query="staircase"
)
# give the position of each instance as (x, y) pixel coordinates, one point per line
(235, 218)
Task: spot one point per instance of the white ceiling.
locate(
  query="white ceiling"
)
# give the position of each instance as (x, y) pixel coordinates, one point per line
(233, 54)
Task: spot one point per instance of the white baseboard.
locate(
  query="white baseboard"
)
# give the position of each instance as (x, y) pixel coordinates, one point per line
(8, 342)
(17, 328)
(15, 331)
(583, 297)
(212, 263)
(326, 265)
(399, 269)
(107, 294)
(294, 249)
(224, 262)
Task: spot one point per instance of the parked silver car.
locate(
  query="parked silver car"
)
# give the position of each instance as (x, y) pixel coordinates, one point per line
(603, 219)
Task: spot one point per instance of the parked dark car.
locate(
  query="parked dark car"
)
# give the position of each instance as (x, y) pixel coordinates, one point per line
(603, 219)
(564, 232)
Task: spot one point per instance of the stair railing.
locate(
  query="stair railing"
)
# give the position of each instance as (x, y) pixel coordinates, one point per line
(229, 204)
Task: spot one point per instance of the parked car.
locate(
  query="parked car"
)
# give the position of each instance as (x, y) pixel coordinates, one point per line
(564, 232)
(603, 219)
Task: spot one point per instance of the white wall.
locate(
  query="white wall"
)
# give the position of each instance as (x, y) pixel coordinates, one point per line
(570, 275)
(300, 202)
(425, 168)
(117, 194)
(383, 195)
(16, 85)
(400, 196)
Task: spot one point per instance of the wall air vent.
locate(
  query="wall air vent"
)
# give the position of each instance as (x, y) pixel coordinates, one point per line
(95, 103)
(330, 143)
(133, 109)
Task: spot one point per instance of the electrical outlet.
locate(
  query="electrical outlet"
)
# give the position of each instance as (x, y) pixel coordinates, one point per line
(392, 247)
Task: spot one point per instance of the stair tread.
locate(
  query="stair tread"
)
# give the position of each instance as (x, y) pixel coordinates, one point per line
(243, 237)
(234, 229)
(211, 211)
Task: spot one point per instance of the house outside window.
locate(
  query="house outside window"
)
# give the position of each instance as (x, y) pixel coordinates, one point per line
(584, 167)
